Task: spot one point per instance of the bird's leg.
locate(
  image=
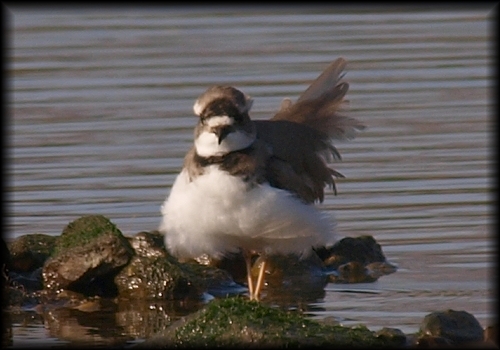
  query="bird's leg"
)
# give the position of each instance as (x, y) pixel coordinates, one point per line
(248, 262)
(260, 278)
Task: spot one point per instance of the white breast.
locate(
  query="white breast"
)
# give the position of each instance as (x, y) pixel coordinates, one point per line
(217, 213)
(207, 143)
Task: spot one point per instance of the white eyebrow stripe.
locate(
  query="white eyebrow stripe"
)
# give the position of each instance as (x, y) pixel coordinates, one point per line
(219, 121)
(197, 108)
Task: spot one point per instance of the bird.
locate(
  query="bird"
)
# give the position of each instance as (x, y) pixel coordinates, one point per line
(252, 186)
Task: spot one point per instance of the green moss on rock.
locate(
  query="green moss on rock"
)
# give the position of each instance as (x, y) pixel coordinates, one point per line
(84, 230)
(88, 254)
(29, 252)
(238, 322)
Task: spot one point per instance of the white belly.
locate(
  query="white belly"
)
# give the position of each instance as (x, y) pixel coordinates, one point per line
(217, 213)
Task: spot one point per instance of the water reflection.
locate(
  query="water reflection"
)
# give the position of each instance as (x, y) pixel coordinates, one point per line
(107, 323)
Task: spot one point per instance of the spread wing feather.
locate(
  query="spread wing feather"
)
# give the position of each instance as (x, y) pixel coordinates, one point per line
(300, 155)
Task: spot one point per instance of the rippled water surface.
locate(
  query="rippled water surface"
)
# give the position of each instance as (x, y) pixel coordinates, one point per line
(101, 116)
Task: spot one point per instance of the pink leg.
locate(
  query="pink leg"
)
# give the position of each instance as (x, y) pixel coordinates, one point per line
(248, 263)
(260, 279)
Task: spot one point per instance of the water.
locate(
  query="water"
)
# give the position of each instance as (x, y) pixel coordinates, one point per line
(100, 105)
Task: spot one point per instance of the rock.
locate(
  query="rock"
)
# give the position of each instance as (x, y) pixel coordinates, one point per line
(155, 278)
(287, 276)
(26, 257)
(491, 335)
(13, 296)
(215, 281)
(379, 268)
(432, 342)
(5, 259)
(282, 271)
(154, 274)
(459, 327)
(394, 335)
(238, 322)
(85, 230)
(93, 258)
(350, 260)
(363, 249)
(290, 278)
(351, 272)
(355, 260)
(280, 268)
(89, 252)
(29, 281)
(29, 252)
(148, 244)
(234, 263)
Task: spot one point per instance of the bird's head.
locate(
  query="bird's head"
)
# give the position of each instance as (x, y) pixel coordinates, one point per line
(224, 124)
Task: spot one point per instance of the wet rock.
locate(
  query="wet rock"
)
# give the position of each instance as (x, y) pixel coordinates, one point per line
(393, 335)
(233, 263)
(29, 281)
(156, 278)
(14, 296)
(238, 322)
(432, 342)
(378, 269)
(93, 258)
(29, 252)
(148, 244)
(352, 272)
(150, 274)
(89, 252)
(289, 277)
(355, 260)
(280, 268)
(351, 260)
(154, 274)
(362, 249)
(215, 281)
(459, 327)
(5, 259)
(491, 335)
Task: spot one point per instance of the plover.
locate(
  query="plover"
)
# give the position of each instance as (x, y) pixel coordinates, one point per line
(251, 186)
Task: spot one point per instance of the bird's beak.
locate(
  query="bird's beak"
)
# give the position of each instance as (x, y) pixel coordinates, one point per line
(222, 132)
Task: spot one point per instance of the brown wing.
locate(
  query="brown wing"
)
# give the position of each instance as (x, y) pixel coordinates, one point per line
(299, 155)
(318, 106)
(300, 136)
(326, 80)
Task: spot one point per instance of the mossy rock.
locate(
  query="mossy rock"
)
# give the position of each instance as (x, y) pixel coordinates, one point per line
(84, 230)
(89, 253)
(156, 278)
(29, 252)
(238, 322)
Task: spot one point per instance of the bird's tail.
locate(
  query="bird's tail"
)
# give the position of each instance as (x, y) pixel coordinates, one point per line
(318, 107)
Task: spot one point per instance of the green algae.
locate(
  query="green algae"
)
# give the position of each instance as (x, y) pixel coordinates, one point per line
(29, 252)
(84, 230)
(238, 322)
